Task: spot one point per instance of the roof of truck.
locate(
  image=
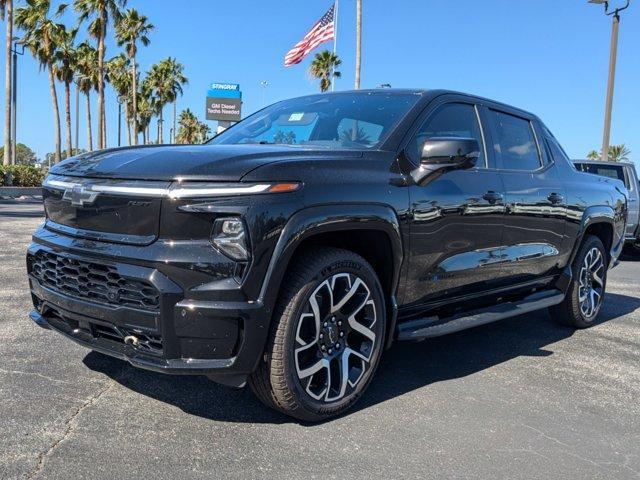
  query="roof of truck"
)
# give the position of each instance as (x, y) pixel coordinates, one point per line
(429, 93)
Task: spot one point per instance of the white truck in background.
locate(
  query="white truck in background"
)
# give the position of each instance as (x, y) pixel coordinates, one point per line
(626, 172)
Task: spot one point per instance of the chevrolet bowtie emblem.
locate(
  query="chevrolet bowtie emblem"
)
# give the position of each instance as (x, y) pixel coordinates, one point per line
(80, 196)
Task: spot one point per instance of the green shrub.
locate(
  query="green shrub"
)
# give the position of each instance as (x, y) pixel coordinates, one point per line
(23, 175)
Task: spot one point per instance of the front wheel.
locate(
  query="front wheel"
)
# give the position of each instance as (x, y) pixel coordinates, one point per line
(585, 296)
(327, 336)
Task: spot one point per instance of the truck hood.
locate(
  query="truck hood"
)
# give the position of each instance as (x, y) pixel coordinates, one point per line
(188, 162)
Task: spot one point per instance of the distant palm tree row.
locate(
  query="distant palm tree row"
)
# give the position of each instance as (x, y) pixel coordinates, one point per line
(54, 45)
(617, 153)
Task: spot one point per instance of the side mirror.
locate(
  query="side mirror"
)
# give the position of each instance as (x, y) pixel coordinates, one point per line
(444, 154)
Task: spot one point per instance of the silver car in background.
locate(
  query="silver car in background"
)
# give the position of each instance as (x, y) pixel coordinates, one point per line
(626, 172)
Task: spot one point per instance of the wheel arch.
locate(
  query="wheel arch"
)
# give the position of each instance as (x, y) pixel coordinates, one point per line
(372, 231)
(601, 222)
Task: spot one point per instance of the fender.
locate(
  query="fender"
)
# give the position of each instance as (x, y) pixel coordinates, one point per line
(594, 215)
(331, 218)
(591, 216)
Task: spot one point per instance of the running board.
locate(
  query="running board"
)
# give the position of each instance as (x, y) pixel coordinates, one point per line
(435, 326)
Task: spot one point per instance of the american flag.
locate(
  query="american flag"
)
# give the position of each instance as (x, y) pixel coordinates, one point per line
(321, 32)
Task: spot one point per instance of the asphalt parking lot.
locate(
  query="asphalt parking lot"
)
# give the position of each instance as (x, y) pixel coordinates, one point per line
(523, 398)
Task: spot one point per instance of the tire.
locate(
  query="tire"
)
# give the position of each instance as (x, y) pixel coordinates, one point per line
(580, 307)
(330, 316)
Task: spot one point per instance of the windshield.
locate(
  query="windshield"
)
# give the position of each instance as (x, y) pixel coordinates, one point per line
(335, 121)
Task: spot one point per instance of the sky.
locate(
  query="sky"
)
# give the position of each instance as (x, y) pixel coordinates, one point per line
(546, 56)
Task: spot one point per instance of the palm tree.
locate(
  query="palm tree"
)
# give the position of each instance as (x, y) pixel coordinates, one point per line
(64, 69)
(99, 10)
(358, 42)
(146, 109)
(176, 79)
(87, 78)
(593, 155)
(117, 74)
(131, 28)
(39, 39)
(355, 134)
(323, 67)
(145, 113)
(191, 130)
(619, 153)
(6, 12)
(160, 85)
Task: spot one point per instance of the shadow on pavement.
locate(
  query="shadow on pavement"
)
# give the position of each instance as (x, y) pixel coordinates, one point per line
(630, 254)
(404, 368)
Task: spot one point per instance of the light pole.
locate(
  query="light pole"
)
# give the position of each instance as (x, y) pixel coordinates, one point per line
(14, 98)
(264, 84)
(613, 55)
(77, 82)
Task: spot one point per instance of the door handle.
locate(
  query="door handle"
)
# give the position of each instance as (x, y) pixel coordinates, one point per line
(492, 197)
(555, 198)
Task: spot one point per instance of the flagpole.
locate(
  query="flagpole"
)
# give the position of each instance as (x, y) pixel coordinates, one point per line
(335, 42)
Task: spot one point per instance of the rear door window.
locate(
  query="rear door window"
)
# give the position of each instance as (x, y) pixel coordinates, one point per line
(514, 143)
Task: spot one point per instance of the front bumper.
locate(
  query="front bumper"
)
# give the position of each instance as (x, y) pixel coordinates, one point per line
(202, 324)
(128, 352)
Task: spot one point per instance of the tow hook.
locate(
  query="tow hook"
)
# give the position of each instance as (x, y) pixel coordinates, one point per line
(131, 340)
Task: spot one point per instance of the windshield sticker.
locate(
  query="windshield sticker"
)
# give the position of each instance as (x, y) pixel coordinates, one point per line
(296, 117)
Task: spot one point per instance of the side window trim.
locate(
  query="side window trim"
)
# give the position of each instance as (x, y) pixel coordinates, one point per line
(628, 181)
(487, 131)
(549, 152)
(484, 139)
(541, 156)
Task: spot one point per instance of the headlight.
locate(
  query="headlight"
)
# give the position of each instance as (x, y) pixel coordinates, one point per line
(230, 238)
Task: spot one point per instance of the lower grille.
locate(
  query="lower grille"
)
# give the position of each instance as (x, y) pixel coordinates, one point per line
(92, 281)
(145, 342)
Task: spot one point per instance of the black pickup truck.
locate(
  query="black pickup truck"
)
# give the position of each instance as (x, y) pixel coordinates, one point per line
(293, 248)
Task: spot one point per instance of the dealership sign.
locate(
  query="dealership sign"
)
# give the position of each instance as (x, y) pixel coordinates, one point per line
(224, 102)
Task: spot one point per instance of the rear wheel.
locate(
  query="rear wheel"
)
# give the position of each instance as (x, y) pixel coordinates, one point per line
(327, 336)
(585, 296)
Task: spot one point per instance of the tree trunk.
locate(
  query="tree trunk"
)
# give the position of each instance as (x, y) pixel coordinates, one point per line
(104, 126)
(134, 88)
(56, 112)
(67, 116)
(160, 122)
(144, 136)
(127, 121)
(101, 115)
(89, 133)
(175, 120)
(7, 85)
(358, 42)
